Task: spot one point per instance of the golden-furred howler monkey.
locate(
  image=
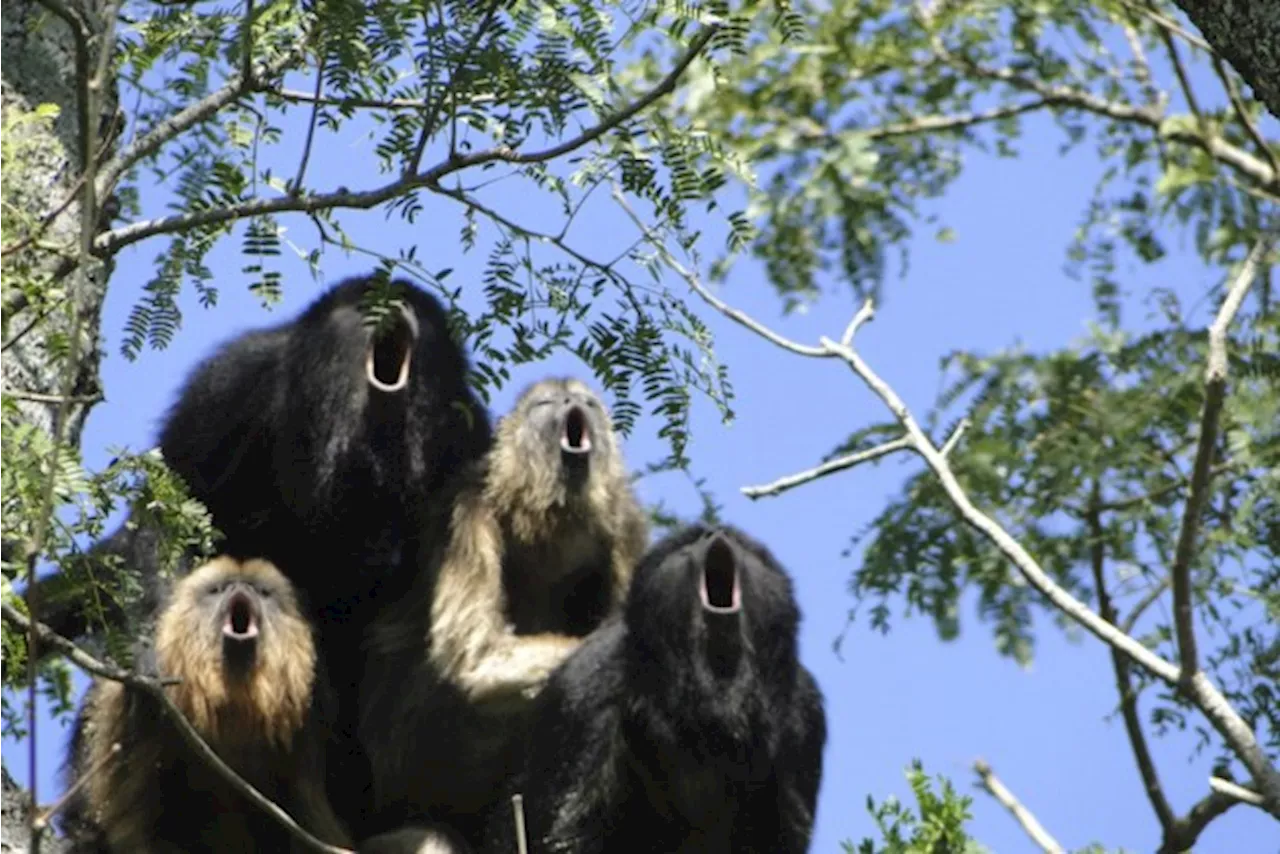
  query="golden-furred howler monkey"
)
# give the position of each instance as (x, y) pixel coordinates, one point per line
(542, 544)
(234, 634)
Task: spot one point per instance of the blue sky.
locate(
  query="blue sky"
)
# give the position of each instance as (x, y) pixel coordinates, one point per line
(890, 698)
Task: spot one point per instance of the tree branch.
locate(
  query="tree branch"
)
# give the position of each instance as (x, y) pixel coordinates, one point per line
(1120, 665)
(1215, 392)
(1201, 692)
(188, 117)
(1030, 824)
(1256, 171)
(1242, 114)
(847, 461)
(156, 689)
(1238, 793)
(115, 240)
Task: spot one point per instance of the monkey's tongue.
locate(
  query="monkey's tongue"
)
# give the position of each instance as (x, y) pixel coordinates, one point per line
(720, 590)
(576, 438)
(241, 622)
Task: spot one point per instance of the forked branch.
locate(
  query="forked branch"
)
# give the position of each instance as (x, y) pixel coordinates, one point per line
(1211, 702)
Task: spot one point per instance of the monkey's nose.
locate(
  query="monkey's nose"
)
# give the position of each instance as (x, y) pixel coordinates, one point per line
(390, 355)
(576, 438)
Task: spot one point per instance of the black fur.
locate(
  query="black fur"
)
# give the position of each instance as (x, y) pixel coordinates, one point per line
(301, 461)
(676, 729)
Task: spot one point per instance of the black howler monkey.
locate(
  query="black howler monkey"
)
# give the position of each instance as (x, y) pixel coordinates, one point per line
(687, 726)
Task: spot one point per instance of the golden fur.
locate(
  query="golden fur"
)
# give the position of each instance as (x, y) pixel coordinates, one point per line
(523, 506)
(250, 724)
(273, 704)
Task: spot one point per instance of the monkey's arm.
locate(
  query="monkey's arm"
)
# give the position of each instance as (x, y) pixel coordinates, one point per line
(472, 643)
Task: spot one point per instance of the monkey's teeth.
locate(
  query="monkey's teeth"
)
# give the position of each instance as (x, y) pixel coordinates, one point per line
(583, 446)
(371, 372)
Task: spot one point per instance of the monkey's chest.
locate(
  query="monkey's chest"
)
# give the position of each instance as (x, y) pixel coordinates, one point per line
(561, 585)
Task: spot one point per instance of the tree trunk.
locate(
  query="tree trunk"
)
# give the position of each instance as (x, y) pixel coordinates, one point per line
(38, 64)
(1247, 34)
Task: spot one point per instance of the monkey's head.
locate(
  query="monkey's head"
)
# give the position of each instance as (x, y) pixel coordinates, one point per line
(713, 615)
(234, 634)
(557, 447)
(378, 400)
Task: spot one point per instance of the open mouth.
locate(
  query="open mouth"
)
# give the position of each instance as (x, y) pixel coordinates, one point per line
(576, 438)
(242, 618)
(388, 361)
(721, 592)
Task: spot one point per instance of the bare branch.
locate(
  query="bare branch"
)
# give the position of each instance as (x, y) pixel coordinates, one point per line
(1184, 82)
(1242, 114)
(1202, 693)
(522, 838)
(1171, 26)
(1030, 824)
(860, 317)
(1187, 830)
(1120, 665)
(1215, 392)
(847, 461)
(42, 820)
(960, 121)
(311, 130)
(696, 285)
(1148, 599)
(348, 101)
(954, 439)
(1256, 171)
(1236, 792)
(156, 689)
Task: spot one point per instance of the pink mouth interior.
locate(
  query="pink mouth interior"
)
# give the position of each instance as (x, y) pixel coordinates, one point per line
(241, 622)
(577, 435)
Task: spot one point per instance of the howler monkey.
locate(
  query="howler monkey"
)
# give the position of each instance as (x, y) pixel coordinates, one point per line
(541, 549)
(251, 685)
(327, 445)
(687, 726)
(320, 443)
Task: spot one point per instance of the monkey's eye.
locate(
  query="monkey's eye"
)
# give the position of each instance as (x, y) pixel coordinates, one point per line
(593, 403)
(264, 592)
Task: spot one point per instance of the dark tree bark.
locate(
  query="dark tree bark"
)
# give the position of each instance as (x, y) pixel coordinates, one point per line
(1246, 33)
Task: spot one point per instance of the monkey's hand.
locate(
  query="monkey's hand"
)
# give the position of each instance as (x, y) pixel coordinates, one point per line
(517, 668)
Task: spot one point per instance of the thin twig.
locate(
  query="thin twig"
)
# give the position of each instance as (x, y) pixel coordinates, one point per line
(156, 689)
(1242, 113)
(517, 808)
(246, 48)
(1173, 27)
(1184, 83)
(1120, 665)
(847, 461)
(1215, 392)
(431, 120)
(1021, 814)
(1148, 599)
(46, 220)
(311, 130)
(93, 771)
